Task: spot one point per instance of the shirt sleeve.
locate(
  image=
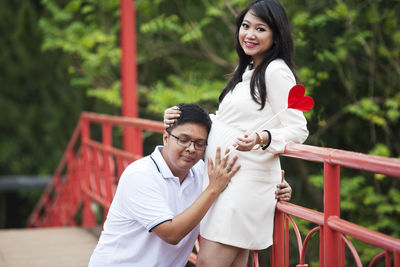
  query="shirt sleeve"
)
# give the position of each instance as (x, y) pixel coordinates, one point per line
(145, 199)
(293, 125)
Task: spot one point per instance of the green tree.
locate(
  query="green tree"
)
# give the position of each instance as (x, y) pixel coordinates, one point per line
(86, 31)
(39, 109)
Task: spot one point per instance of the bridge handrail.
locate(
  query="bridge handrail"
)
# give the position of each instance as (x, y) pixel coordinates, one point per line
(332, 228)
(142, 124)
(361, 233)
(80, 165)
(349, 159)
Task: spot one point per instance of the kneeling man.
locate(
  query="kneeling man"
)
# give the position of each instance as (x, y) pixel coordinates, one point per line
(154, 217)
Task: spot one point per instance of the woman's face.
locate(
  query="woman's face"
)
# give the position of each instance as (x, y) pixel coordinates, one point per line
(255, 37)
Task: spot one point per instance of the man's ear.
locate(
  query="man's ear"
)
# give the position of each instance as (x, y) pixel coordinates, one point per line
(165, 138)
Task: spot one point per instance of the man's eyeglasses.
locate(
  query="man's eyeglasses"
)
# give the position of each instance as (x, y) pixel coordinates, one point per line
(186, 142)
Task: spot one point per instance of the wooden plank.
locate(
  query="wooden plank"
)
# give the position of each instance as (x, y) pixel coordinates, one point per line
(46, 247)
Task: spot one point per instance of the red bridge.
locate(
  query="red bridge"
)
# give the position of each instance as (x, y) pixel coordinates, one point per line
(89, 170)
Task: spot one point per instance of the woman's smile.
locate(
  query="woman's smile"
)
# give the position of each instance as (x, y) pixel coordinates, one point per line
(249, 44)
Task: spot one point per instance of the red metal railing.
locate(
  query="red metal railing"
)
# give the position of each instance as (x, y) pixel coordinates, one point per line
(332, 229)
(89, 170)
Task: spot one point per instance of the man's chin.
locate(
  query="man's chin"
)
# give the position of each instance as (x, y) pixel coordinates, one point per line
(189, 163)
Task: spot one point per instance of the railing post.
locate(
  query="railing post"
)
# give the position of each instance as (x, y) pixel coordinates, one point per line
(88, 218)
(332, 257)
(132, 138)
(396, 258)
(278, 247)
(286, 231)
(108, 181)
(72, 200)
(321, 246)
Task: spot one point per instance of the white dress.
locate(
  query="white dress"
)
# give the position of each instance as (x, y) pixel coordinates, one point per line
(243, 214)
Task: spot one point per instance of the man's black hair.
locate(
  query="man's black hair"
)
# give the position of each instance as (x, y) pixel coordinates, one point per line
(192, 113)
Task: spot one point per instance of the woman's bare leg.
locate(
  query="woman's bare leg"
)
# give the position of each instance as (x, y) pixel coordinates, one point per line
(214, 254)
(241, 259)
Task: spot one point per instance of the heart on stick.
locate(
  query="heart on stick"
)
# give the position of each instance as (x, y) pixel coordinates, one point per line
(297, 100)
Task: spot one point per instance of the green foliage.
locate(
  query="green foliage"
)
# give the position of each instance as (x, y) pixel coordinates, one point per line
(380, 150)
(110, 95)
(182, 55)
(317, 181)
(39, 111)
(178, 90)
(87, 31)
(369, 111)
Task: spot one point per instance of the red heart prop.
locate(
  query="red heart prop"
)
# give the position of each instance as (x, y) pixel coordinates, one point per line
(298, 101)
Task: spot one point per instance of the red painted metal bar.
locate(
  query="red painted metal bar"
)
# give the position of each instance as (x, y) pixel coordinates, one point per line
(278, 247)
(286, 251)
(86, 163)
(141, 124)
(297, 232)
(301, 212)
(376, 258)
(321, 246)
(107, 161)
(42, 204)
(348, 159)
(72, 142)
(88, 218)
(352, 250)
(336, 224)
(388, 261)
(303, 250)
(339, 225)
(342, 250)
(396, 256)
(331, 208)
(132, 140)
(112, 150)
(363, 234)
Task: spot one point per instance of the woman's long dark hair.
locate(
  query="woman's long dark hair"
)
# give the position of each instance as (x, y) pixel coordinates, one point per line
(273, 13)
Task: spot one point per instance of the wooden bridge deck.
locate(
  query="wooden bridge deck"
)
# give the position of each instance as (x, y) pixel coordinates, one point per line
(46, 247)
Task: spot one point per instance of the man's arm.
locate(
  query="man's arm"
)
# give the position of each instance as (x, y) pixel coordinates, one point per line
(220, 174)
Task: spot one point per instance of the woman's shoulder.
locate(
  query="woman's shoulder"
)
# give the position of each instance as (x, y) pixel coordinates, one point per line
(279, 70)
(277, 65)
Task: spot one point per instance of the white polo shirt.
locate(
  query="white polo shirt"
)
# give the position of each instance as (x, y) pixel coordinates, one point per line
(148, 194)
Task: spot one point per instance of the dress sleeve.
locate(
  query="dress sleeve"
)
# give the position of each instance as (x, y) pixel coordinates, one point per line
(144, 200)
(293, 125)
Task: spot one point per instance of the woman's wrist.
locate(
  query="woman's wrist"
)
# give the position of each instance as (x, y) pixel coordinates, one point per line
(266, 139)
(260, 139)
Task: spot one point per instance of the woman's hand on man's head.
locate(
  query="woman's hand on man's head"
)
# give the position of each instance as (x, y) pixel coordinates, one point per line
(170, 116)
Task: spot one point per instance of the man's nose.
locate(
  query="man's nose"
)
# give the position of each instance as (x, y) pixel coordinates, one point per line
(191, 146)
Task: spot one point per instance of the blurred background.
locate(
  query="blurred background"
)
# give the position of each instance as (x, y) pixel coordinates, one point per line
(61, 57)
